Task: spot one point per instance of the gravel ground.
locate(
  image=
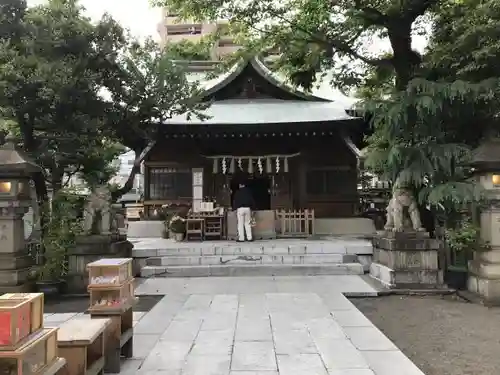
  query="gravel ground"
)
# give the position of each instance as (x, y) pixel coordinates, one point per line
(441, 335)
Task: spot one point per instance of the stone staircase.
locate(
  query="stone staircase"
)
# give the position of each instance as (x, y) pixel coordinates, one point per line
(260, 258)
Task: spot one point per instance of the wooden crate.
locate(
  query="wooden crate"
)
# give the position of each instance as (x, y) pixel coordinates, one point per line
(110, 271)
(36, 306)
(111, 297)
(15, 322)
(33, 357)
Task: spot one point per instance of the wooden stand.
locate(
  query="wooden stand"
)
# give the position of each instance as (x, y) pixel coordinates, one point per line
(112, 296)
(195, 229)
(119, 336)
(82, 343)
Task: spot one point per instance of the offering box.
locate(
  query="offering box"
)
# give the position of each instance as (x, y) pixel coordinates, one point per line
(36, 307)
(15, 322)
(109, 271)
(111, 298)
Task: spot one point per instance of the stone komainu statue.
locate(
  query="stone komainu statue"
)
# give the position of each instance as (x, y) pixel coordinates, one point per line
(402, 207)
(97, 215)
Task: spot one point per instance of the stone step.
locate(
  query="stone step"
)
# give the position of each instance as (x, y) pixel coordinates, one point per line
(174, 260)
(249, 250)
(254, 270)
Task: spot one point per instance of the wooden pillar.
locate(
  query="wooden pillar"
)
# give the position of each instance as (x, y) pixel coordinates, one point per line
(197, 188)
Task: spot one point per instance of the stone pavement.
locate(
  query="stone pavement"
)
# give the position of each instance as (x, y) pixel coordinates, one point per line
(259, 326)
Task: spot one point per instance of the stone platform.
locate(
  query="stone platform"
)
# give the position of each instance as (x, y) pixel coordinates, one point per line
(258, 326)
(322, 256)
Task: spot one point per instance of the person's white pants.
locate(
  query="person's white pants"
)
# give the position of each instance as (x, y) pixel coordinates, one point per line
(244, 216)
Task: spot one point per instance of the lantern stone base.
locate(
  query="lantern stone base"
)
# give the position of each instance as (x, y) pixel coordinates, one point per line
(13, 278)
(15, 261)
(89, 249)
(406, 260)
(484, 276)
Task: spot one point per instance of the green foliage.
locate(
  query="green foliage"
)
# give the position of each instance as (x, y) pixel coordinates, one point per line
(60, 234)
(98, 167)
(465, 42)
(50, 84)
(461, 240)
(189, 50)
(426, 132)
(58, 70)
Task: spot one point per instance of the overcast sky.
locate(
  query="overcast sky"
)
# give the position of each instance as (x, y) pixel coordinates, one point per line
(136, 15)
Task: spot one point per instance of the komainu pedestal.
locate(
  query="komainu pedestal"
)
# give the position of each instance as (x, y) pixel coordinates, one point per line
(406, 260)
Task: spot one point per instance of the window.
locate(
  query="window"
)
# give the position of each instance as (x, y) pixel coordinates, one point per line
(330, 181)
(170, 183)
(180, 29)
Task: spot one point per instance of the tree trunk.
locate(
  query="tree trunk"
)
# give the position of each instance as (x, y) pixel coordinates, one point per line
(405, 60)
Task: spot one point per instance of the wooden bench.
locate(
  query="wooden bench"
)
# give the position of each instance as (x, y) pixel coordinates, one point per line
(119, 336)
(82, 343)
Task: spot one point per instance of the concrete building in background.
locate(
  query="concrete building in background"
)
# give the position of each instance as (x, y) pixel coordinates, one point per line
(172, 29)
(125, 163)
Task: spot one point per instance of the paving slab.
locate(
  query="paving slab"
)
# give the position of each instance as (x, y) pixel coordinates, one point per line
(254, 356)
(259, 326)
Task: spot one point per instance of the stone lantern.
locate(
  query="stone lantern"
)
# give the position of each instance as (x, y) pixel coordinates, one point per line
(16, 170)
(484, 269)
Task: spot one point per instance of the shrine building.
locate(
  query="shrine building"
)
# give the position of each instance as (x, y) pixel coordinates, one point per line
(295, 151)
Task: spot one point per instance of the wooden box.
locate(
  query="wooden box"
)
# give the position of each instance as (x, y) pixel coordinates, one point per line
(33, 357)
(15, 322)
(110, 271)
(116, 297)
(36, 306)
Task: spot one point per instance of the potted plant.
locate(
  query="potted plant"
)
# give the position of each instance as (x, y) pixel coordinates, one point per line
(461, 242)
(58, 235)
(177, 227)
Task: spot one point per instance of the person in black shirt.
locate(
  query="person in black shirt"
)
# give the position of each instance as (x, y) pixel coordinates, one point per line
(243, 203)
